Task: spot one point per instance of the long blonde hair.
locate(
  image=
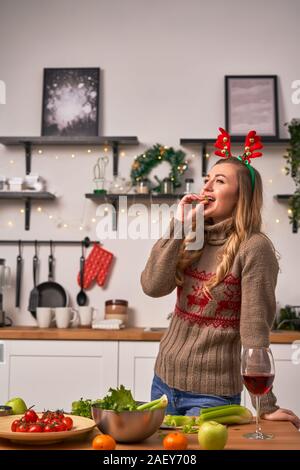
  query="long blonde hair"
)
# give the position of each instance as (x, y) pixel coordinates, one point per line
(246, 220)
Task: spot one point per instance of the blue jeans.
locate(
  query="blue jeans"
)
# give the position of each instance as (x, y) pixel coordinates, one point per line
(188, 403)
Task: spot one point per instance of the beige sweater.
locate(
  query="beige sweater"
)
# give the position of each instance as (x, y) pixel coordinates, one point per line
(201, 349)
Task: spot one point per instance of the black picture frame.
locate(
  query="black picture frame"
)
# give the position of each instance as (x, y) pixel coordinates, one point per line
(251, 102)
(71, 100)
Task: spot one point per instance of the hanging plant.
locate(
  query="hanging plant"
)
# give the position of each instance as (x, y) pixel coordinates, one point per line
(293, 168)
(144, 163)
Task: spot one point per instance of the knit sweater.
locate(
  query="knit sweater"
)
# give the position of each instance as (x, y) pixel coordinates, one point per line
(200, 351)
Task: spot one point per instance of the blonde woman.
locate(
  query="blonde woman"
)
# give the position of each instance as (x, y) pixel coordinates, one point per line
(225, 290)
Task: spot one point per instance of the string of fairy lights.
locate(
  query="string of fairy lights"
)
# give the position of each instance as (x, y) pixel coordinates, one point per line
(85, 223)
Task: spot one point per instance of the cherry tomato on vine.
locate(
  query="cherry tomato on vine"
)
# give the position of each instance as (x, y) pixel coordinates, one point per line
(22, 427)
(58, 414)
(35, 428)
(30, 416)
(59, 426)
(68, 422)
(49, 428)
(14, 425)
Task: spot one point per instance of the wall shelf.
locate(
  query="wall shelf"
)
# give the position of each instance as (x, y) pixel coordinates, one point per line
(203, 144)
(285, 198)
(113, 199)
(27, 197)
(29, 142)
(57, 140)
(139, 197)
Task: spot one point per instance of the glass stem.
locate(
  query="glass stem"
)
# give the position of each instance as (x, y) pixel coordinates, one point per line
(258, 428)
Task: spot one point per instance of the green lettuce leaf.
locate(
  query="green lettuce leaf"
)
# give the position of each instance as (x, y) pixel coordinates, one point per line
(118, 399)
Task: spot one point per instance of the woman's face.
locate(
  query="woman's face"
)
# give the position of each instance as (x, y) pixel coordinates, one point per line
(221, 184)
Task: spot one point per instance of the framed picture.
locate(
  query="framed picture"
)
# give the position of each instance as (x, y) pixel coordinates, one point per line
(251, 103)
(71, 102)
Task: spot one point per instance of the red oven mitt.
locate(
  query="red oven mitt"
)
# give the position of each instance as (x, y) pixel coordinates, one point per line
(96, 266)
(105, 264)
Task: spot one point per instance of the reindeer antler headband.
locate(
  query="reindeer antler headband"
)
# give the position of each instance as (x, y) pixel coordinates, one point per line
(252, 144)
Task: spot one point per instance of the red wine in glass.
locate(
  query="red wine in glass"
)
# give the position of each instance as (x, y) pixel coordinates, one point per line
(258, 384)
(258, 372)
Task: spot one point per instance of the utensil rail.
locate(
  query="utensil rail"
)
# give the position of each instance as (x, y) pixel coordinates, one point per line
(87, 242)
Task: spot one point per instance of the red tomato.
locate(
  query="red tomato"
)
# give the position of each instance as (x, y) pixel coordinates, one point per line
(49, 428)
(47, 415)
(58, 414)
(30, 416)
(46, 420)
(35, 428)
(59, 426)
(22, 427)
(68, 422)
(14, 425)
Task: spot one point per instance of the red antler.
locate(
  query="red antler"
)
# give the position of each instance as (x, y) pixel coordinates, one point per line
(252, 143)
(223, 144)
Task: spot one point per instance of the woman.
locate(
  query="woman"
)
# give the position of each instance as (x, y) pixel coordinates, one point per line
(225, 290)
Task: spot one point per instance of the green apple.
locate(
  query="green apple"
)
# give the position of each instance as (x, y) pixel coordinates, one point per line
(212, 436)
(18, 405)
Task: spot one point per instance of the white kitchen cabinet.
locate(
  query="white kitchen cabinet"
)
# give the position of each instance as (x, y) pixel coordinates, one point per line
(137, 359)
(287, 377)
(52, 374)
(136, 366)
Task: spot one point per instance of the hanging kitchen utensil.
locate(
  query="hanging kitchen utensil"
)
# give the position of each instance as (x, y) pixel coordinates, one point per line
(4, 283)
(81, 296)
(34, 294)
(19, 275)
(51, 294)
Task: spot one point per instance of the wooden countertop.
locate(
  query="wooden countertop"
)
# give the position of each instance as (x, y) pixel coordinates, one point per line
(286, 437)
(125, 334)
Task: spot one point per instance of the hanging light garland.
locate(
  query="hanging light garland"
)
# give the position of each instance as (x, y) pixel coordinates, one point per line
(141, 167)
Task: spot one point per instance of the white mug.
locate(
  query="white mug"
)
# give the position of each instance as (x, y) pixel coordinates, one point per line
(64, 316)
(44, 316)
(86, 316)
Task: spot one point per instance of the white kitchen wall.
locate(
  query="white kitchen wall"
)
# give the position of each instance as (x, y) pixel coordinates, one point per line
(163, 64)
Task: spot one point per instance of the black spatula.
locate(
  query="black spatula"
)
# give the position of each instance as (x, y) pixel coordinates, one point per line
(19, 276)
(34, 294)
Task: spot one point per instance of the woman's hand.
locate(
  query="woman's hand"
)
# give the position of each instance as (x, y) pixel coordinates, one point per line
(183, 212)
(283, 415)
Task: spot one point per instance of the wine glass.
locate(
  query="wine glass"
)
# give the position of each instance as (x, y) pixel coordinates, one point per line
(258, 371)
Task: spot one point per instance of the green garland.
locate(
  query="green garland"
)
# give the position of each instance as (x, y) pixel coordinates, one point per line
(293, 168)
(144, 163)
